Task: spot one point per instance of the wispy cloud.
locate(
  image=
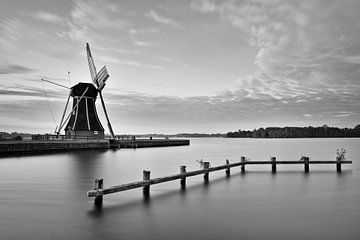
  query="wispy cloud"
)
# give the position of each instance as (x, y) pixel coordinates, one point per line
(48, 17)
(144, 44)
(14, 69)
(143, 31)
(117, 50)
(97, 14)
(204, 6)
(14, 31)
(89, 19)
(153, 15)
(204, 112)
(171, 60)
(114, 60)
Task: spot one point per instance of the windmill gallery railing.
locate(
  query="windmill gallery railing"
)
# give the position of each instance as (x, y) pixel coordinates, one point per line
(99, 191)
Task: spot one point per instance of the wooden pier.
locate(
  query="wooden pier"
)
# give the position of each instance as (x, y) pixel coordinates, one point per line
(145, 143)
(99, 190)
(8, 148)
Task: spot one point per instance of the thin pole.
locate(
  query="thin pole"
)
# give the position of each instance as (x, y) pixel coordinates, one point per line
(62, 118)
(69, 78)
(107, 117)
(55, 83)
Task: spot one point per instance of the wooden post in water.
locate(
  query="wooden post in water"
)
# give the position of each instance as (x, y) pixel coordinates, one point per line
(183, 179)
(242, 164)
(306, 164)
(273, 164)
(228, 169)
(146, 189)
(99, 197)
(338, 164)
(206, 174)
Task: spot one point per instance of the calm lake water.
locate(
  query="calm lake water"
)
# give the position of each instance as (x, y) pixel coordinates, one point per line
(44, 197)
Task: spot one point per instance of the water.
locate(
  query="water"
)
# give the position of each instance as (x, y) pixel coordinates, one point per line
(44, 197)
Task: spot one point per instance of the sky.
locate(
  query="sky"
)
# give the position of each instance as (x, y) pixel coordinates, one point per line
(183, 66)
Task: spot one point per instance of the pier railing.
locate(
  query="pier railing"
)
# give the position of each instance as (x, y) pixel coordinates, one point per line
(99, 191)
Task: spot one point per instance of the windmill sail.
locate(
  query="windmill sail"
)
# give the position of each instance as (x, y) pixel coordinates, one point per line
(99, 80)
(91, 64)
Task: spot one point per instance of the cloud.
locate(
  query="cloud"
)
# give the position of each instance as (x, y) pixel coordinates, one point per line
(144, 44)
(14, 69)
(48, 17)
(163, 20)
(303, 47)
(171, 60)
(204, 6)
(89, 19)
(130, 63)
(97, 14)
(14, 31)
(230, 108)
(117, 50)
(143, 31)
(22, 92)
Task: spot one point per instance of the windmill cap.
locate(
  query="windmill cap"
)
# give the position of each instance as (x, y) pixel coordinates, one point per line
(79, 89)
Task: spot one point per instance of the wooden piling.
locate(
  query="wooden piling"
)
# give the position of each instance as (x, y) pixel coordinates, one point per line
(338, 164)
(306, 164)
(146, 188)
(242, 164)
(99, 196)
(206, 174)
(183, 179)
(273, 164)
(227, 169)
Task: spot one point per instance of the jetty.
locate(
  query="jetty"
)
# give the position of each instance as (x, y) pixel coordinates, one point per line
(150, 142)
(50, 145)
(99, 189)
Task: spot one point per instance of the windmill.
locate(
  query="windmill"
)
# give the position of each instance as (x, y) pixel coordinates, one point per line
(83, 120)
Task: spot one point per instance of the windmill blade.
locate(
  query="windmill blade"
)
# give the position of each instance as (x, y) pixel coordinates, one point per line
(91, 63)
(99, 80)
(102, 76)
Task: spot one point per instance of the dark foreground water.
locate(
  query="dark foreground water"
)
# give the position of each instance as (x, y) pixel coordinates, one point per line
(44, 197)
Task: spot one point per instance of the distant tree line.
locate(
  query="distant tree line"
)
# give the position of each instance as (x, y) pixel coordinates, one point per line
(297, 132)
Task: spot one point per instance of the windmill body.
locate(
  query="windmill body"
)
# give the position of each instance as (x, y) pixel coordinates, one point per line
(84, 121)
